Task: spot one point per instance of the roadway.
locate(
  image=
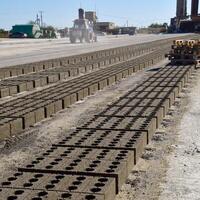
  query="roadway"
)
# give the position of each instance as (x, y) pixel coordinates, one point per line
(21, 51)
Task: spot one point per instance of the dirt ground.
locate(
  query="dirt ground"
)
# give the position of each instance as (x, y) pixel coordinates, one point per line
(167, 170)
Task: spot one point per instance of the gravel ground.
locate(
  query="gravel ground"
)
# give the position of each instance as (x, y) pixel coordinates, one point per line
(169, 168)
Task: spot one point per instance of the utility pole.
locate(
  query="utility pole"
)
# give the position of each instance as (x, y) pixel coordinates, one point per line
(127, 23)
(41, 18)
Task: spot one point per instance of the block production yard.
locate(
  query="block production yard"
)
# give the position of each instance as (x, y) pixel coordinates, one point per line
(89, 122)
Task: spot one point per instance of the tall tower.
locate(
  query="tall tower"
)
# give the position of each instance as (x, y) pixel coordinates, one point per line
(194, 8)
(181, 9)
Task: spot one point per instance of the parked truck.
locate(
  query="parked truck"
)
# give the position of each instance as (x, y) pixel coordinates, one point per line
(26, 31)
(82, 30)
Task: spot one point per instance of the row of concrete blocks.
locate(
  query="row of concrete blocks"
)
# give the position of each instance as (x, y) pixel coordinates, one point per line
(44, 65)
(29, 82)
(103, 168)
(104, 191)
(10, 87)
(18, 123)
(120, 71)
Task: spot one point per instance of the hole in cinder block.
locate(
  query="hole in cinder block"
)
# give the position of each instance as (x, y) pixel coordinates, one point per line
(6, 183)
(59, 177)
(18, 174)
(43, 193)
(103, 180)
(90, 197)
(28, 184)
(33, 180)
(58, 159)
(66, 195)
(40, 158)
(12, 198)
(76, 182)
(69, 168)
(38, 175)
(109, 170)
(72, 188)
(36, 198)
(49, 167)
(81, 178)
(49, 186)
(12, 179)
(99, 184)
(55, 181)
(19, 192)
(89, 169)
(95, 190)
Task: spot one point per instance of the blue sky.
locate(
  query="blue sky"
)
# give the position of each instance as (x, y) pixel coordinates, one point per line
(60, 13)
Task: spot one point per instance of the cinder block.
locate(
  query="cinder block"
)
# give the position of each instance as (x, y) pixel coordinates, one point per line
(111, 80)
(12, 90)
(73, 98)
(125, 73)
(49, 110)
(4, 130)
(28, 119)
(130, 71)
(58, 105)
(39, 114)
(66, 102)
(119, 76)
(85, 92)
(80, 94)
(4, 92)
(43, 81)
(16, 126)
(102, 84)
(37, 83)
(29, 85)
(21, 87)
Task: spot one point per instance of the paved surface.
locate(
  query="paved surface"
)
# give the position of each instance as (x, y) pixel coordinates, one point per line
(21, 51)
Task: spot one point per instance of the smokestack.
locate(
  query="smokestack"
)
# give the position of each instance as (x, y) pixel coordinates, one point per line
(181, 9)
(195, 7)
(81, 13)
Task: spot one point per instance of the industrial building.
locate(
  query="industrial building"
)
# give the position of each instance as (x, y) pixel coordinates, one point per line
(104, 26)
(186, 23)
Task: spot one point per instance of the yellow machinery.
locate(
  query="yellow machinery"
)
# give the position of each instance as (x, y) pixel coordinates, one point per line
(185, 52)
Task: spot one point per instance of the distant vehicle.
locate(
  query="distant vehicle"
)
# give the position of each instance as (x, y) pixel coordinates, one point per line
(18, 35)
(26, 31)
(82, 30)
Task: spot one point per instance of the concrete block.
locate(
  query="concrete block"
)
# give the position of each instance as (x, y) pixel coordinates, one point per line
(21, 87)
(111, 80)
(39, 114)
(16, 126)
(49, 110)
(80, 94)
(4, 130)
(66, 102)
(12, 90)
(119, 76)
(4, 92)
(85, 92)
(125, 73)
(58, 105)
(73, 98)
(29, 85)
(28, 119)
